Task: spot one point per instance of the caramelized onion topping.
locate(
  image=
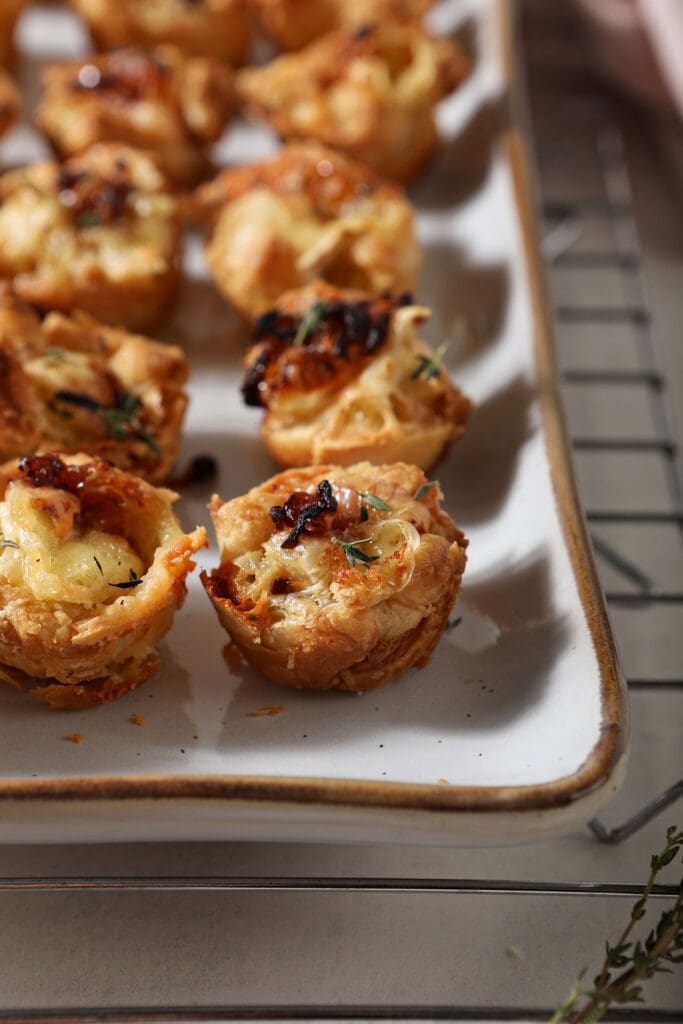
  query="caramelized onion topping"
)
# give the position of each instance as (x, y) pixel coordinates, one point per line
(304, 513)
(342, 338)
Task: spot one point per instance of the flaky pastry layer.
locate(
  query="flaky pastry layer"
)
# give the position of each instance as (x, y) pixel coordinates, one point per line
(98, 233)
(292, 24)
(74, 384)
(158, 100)
(368, 93)
(211, 28)
(306, 214)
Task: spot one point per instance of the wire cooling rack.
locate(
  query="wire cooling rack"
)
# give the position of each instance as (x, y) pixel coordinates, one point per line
(586, 232)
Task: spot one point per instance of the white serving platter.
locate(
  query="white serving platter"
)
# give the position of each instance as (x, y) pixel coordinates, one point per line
(518, 727)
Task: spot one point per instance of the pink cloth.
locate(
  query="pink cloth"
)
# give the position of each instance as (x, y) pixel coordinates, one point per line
(639, 44)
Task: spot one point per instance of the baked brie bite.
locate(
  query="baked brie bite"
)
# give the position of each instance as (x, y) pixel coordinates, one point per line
(306, 214)
(73, 384)
(98, 233)
(202, 28)
(344, 377)
(92, 569)
(336, 578)
(368, 93)
(159, 101)
(292, 24)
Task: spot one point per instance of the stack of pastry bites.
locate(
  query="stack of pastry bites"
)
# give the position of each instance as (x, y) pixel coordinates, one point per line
(339, 572)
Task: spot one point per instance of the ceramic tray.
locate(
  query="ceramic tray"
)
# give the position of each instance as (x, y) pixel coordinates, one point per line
(519, 725)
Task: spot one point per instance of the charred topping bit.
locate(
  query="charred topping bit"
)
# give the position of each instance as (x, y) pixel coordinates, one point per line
(50, 471)
(300, 510)
(121, 421)
(198, 470)
(282, 585)
(306, 352)
(92, 200)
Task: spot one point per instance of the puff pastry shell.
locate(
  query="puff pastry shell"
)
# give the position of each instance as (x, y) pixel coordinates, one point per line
(203, 28)
(92, 570)
(303, 215)
(159, 101)
(74, 384)
(98, 233)
(368, 93)
(359, 384)
(294, 23)
(305, 616)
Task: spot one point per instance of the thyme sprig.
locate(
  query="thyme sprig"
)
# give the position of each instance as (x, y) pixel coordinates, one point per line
(636, 961)
(121, 420)
(430, 366)
(355, 555)
(310, 321)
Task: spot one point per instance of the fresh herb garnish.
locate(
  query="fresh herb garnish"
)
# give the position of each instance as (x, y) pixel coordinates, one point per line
(368, 500)
(454, 623)
(5, 543)
(634, 961)
(354, 554)
(429, 366)
(98, 564)
(121, 420)
(55, 353)
(88, 219)
(310, 321)
(423, 488)
(128, 584)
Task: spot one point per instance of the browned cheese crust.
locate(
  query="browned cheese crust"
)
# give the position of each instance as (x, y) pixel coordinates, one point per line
(9, 12)
(158, 100)
(10, 101)
(92, 569)
(201, 28)
(74, 384)
(292, 24)
(99, 233)
(300, 611)
(368, 93)
(306, 214)
(345, 378)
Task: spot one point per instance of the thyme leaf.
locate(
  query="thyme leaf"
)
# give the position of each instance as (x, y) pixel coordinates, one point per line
(372, 501)
(5, 543)
(121, 420)
(310, 321)
(354, 554)
(429, 366)
(423, 488)
(128, 584)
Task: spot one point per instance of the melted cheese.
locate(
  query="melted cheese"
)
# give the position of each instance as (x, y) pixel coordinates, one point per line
(54, 560)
